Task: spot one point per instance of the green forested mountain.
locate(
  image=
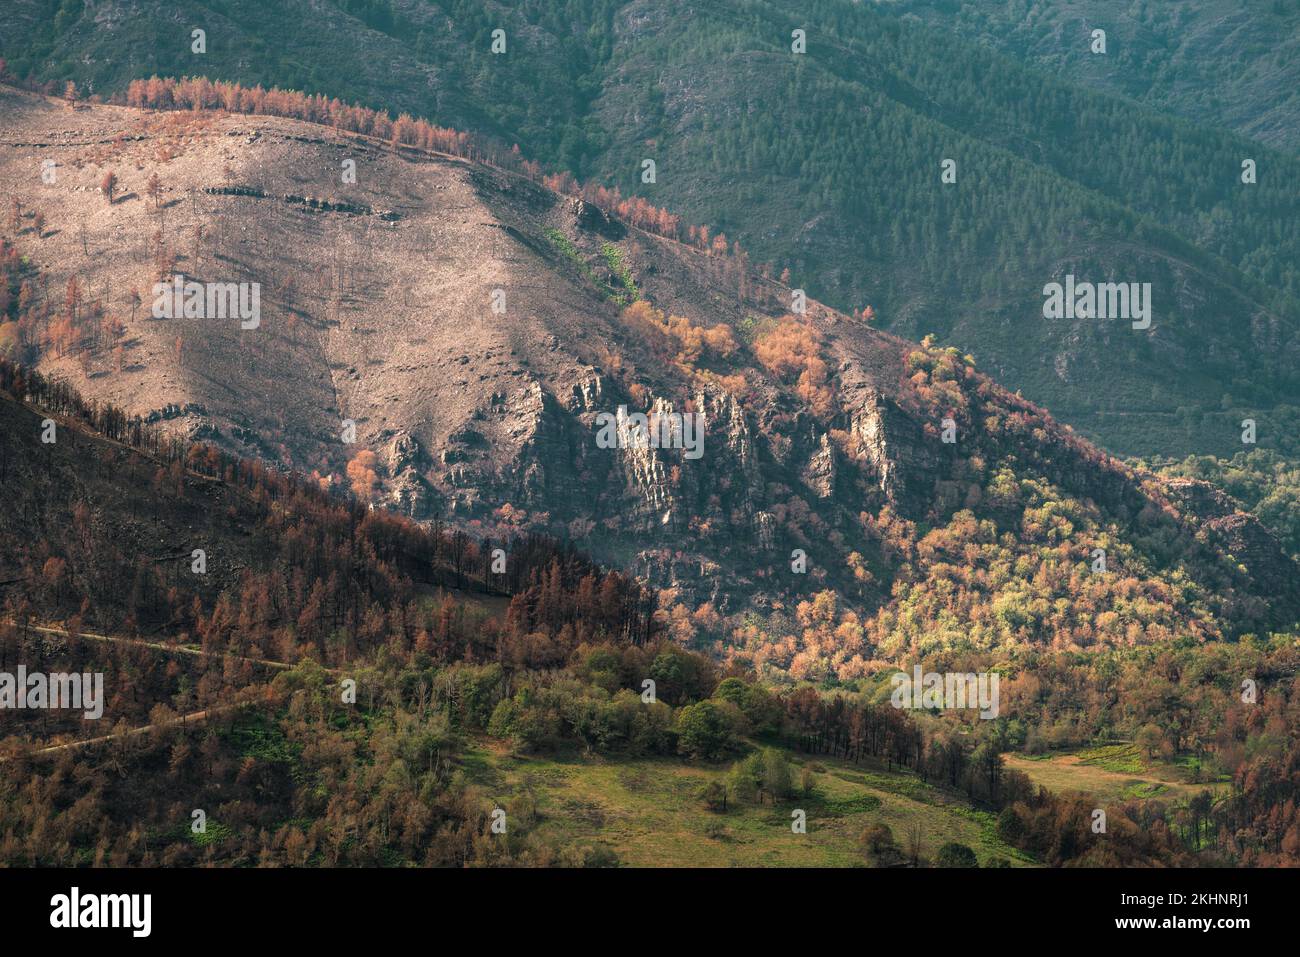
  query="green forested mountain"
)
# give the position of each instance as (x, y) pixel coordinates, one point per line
(390, 646)
(829, 163)
(1218, 62)
(1266, 483)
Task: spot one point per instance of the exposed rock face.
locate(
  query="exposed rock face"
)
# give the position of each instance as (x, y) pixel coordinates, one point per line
(487, 415)
(636, 487)
(1240, 535)
(594, 219)
(408, 492)
(869, 426)
(402, 452)
(819, 474)
(726, 421)
(903, 462)
(588, 392)
(410, 495)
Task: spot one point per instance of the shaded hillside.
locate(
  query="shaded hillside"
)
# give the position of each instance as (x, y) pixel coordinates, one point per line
(282, 766)
(828, 163)
(821, 434)
(1215, 62)
(122, 528)
(1267, 484)
(460, 716)
(323, 437)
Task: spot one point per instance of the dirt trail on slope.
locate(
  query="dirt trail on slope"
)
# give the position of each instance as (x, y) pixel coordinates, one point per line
(194, 717)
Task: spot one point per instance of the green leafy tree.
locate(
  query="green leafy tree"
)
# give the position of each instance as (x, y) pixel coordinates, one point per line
(953, 854)
(704, 731)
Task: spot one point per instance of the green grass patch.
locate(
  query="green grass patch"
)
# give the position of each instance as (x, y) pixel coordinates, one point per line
(214, 832)
(651, 813)
(1118, 758)
(624, 292)
(614, 259)
(1144, 789)
(262, 738)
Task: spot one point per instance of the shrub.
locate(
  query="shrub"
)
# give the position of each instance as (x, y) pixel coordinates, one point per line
(878, 845)
(953, 854)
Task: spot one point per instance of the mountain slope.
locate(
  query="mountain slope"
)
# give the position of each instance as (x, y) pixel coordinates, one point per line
(829, 163)
(821, 434)
(1230, 64)
(533, 711)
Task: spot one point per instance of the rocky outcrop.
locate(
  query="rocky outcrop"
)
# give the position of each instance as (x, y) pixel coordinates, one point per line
(1223, 526)
(819, 473)
(591, 218)
(588, 392)
(727, 432)
(897, 454)
(405, 461)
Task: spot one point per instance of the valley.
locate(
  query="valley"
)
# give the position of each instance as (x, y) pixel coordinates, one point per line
(608, 434)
